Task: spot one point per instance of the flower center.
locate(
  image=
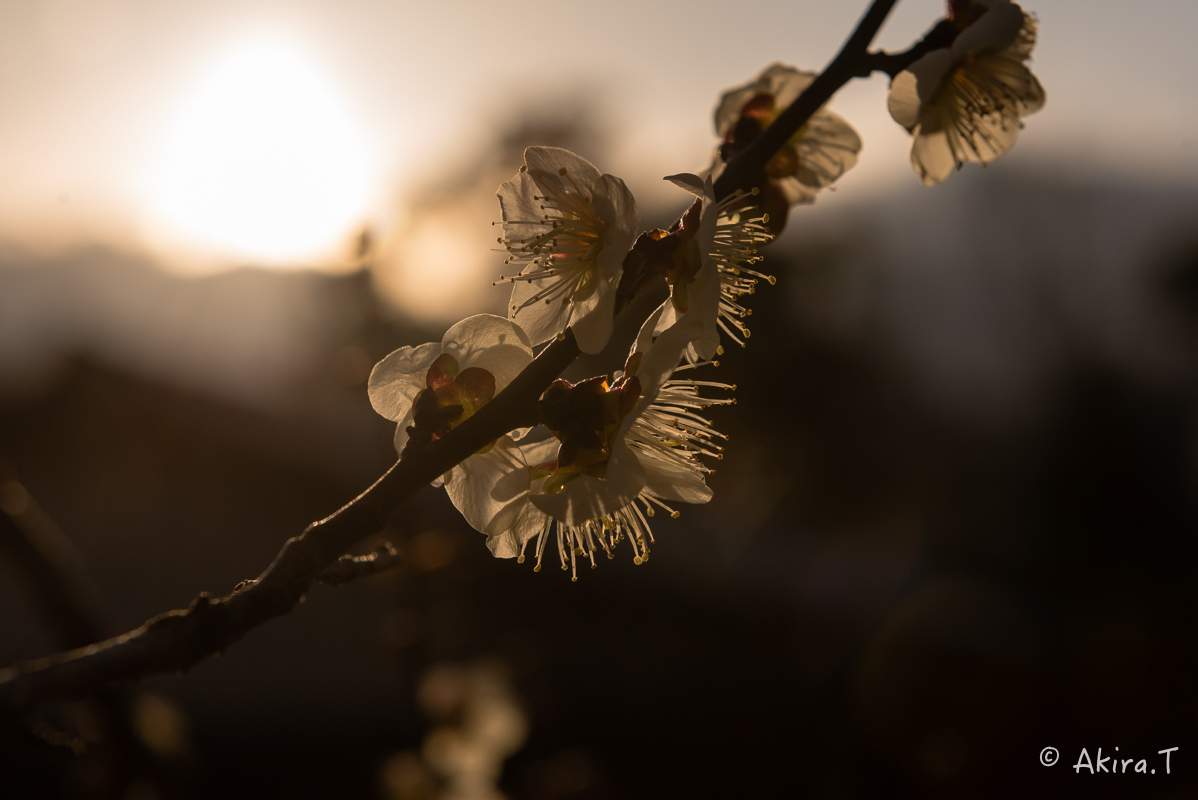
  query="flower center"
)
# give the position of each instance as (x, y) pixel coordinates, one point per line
(451, 396)
(586, 418)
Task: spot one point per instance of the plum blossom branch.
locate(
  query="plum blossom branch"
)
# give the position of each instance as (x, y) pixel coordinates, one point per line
(177, 640)
(351, 568)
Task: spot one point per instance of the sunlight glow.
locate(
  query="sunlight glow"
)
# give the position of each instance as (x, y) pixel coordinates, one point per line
(262, 161)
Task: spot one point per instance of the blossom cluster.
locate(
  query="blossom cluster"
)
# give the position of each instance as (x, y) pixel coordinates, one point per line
(609, 452)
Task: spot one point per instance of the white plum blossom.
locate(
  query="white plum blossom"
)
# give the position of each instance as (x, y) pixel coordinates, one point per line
(817, 154)
(649, 438)
(567, 228)
(965, 102)
(725, 249)
(435, 387)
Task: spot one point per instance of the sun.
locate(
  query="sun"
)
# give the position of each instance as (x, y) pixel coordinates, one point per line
(261, 161)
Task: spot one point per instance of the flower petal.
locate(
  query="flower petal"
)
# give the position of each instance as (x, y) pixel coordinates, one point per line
(490, 489)
(674, 482)
(552, 160)
(785, 83)
(520, 210)
(401, 431)
(593, 318)
(932, 156)
(616, 206)
(509, 543)
(828, 148)
(397, 379)
(904, 99)
(687, 182)
(493, 343)
(537, 453)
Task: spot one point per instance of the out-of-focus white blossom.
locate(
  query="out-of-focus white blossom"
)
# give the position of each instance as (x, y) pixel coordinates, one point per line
(567, 227)
(817, 154)
(965, 102)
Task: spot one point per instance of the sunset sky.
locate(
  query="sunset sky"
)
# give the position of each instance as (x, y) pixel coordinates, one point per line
(141, 123)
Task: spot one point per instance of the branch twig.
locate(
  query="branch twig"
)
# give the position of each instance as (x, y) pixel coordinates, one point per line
(350, 568)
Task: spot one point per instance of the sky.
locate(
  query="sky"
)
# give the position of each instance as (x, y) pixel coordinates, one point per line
(142, 123)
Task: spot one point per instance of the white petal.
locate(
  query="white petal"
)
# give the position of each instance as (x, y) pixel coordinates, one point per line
(727, 111)
(932, 157)
(540, 320)
(785, 83)
(651, 327)
(904, 100)
(397, 379)
(670, 481)
(593, 317)
(520, 210)
(550, 161)
(491, 488)
(704, 297)
(929, 73)
(668, 316)
(828, 148)
(401, 431)
(537, 453)
(795, 191)
(687, 182)
(492, 343)
(509, 543)
(616, 206)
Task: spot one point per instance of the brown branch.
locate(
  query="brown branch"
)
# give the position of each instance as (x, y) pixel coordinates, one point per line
(350, 568)
(177, 640)
(943, 35)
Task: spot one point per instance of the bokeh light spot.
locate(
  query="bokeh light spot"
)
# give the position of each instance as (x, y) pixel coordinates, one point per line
(262, 161)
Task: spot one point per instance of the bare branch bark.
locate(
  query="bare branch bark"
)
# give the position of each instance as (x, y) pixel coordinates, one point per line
(351, 568)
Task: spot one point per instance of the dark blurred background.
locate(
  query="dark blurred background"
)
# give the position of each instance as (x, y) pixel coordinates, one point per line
(955, 525)
(956, 520)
